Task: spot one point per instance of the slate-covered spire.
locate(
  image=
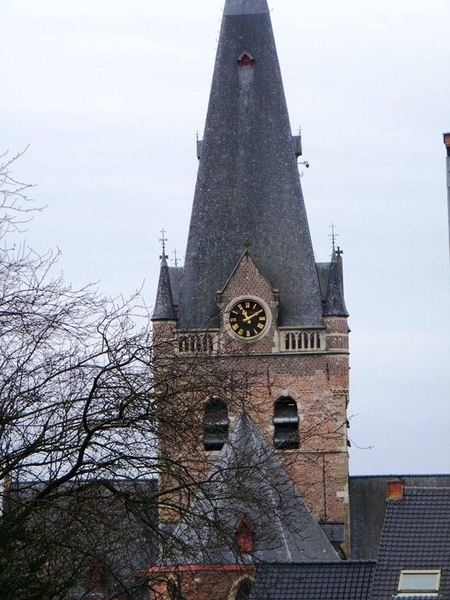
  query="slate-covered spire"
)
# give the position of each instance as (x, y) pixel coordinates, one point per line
(164, 305)
(248, 186)
(332, 281)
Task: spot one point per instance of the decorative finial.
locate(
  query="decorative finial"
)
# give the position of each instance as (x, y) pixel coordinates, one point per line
(333, 236)
(339, 252)
(175, 258)
(246, 245)
(163, 241)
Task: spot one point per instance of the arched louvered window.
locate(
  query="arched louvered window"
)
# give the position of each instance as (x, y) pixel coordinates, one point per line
(285, 421)
(244, 589)
(215, 424)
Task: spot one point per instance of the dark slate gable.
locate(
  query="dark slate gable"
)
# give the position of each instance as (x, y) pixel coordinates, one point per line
(416, 535)
(248, 186)
(313, 581)
(247, 479)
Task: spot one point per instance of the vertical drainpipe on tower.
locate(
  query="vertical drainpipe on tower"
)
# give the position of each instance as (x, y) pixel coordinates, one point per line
(447, 145)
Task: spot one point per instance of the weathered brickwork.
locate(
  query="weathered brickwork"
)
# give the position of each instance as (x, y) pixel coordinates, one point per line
(317, 381)
(202, 582)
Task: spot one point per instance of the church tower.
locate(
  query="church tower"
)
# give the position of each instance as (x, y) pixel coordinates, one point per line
(250, 296)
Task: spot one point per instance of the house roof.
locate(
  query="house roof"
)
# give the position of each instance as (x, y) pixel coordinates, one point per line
(416, 536)
(248, 187)
(368, 507)
(313, 581)
(248, 480)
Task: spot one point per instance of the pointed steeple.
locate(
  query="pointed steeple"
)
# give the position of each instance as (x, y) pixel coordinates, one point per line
(164, 305)
(332, 284)
(166, 296)
(248, 186)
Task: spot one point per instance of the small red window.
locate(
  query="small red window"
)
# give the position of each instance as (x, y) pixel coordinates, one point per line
(246, 60)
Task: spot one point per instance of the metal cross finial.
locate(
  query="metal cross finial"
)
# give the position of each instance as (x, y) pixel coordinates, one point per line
(246, 245)
(175, 258)
(333, 235)
(163, 241)
(339, 252)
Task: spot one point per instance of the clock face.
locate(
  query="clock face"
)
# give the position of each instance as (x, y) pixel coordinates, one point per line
(247, 318)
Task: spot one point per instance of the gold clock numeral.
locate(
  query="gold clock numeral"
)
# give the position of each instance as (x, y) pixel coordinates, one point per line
(247, 305)
(240, 332)
(235, 327)
(247, 333)
(260, 326)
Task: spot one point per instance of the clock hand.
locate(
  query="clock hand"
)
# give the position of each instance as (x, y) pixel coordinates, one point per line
(248, 318)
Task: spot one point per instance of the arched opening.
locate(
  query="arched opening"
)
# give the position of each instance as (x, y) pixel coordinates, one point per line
(215, 424)
(173, 590)
(244, 589)
(285, 422)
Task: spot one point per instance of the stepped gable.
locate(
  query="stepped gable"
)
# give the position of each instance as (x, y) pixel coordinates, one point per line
(248, 481)
(248, 187)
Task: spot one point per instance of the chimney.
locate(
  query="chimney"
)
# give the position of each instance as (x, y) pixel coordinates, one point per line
(395, 489)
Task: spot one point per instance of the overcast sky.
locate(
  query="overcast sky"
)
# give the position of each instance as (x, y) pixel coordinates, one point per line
(109, 95)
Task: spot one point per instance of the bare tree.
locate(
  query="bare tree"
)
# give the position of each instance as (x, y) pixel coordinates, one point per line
(80, 408)
(92, 411)
(75, 409)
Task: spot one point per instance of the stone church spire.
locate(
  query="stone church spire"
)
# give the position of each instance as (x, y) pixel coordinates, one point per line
(248, 187)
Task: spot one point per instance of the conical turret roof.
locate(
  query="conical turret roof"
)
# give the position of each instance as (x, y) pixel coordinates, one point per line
(164, 305)
(248, 187)
(332, 284)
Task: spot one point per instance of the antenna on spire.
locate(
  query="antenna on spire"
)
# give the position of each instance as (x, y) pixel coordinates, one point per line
(163, 241)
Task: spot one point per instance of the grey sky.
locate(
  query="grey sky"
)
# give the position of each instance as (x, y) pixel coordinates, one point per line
(110, 94)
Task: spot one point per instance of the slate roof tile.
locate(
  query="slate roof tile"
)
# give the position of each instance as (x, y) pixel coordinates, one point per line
(248, 186)
(345, 580)
(416, 535)
(247, 479)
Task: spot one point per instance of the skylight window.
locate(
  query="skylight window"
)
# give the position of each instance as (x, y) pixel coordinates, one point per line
(419, 582)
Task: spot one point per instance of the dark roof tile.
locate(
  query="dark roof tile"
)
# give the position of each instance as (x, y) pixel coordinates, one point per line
(345, 580)
(416, 535)
(247, 479)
